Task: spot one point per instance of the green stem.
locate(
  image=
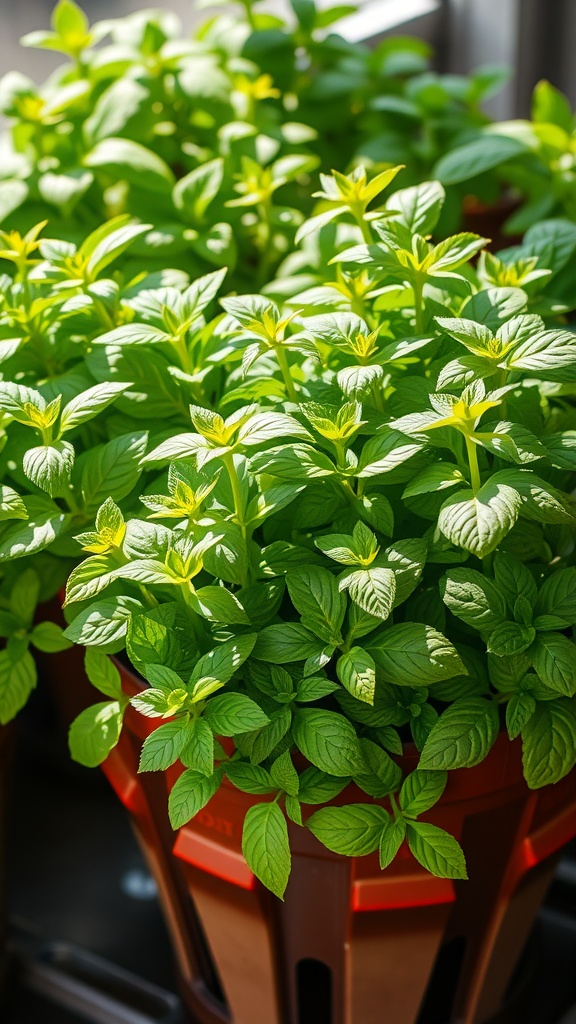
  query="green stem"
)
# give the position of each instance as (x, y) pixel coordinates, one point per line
(348, 492)
(357, 210)
(228, 461)
(476, 482)
(181, 347)
(195, 620)
(418, 288)
(473, 463)
(394, 804)
(376, 392)
(285, 371)
(103, 313)
(366, 231)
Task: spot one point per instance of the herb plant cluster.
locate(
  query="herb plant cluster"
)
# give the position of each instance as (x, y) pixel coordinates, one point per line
(323, 519)
(364, 535)
(214, 138)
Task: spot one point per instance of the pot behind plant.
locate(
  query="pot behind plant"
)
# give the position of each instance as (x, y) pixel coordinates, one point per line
(349, 939)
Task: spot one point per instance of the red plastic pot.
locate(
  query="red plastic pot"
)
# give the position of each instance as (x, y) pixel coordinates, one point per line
(350, 943)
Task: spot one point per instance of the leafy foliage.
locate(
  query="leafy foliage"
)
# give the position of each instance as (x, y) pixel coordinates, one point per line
(330, 520)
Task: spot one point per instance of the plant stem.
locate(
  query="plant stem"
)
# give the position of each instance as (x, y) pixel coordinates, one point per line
(476, 485)
(285, 370)
(181, 347)
(473, 463)
(228, 461)
(357, 210)
(103, 313)
(366, 231)
(417, 288)
(195, 620)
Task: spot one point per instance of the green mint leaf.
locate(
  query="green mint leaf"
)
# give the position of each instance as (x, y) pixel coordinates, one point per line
(417, 208)
(294, 810)
(381, 774)
(154, 703)
(462, 736)
(421, 790)
(45, 522)
(103, 674)
(189, 794)
(554, 659)
(95, 732)
(218, 605)
(11, 504)
(314, 688)
(328, 740)
(549, 742)
(474, 598)
(266, 848)
(357, 672)
(421, 725)
(353, 830)
(436, 850)
(231, 713)
(250, 778)
(129, 161)
(513, 579)
(476, 157)
(261, 743)
(284, 774)
(49, 466)
(391, 838)
(163, 747)
(113, 469)
(217, 667)
(89, 403)
(198, 752)
(24, 596)
(318, 787)
(103, 623)
(315, 595)
(412, 654)
(285, 643)
(479, 522)
(557, 597)
(519, 711)
(372, 589)
(510, 638)
(50, 638)
(17, 680)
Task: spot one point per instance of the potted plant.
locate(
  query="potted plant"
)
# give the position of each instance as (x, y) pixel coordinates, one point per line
(353, 580)
(524, 167)
(303, 589)
(214, 137)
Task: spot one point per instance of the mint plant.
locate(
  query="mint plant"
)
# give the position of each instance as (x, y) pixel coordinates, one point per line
(360, 533)
(65, 445)
(213, 139)
(531, 162)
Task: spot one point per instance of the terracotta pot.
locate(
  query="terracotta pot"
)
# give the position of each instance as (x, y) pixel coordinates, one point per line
(488, 219)
(349, 940)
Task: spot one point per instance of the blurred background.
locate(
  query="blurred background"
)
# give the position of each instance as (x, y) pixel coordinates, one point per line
(532, 37)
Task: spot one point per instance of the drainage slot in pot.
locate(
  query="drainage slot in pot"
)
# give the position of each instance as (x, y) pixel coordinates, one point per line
(314, 987)
(437, 1003)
